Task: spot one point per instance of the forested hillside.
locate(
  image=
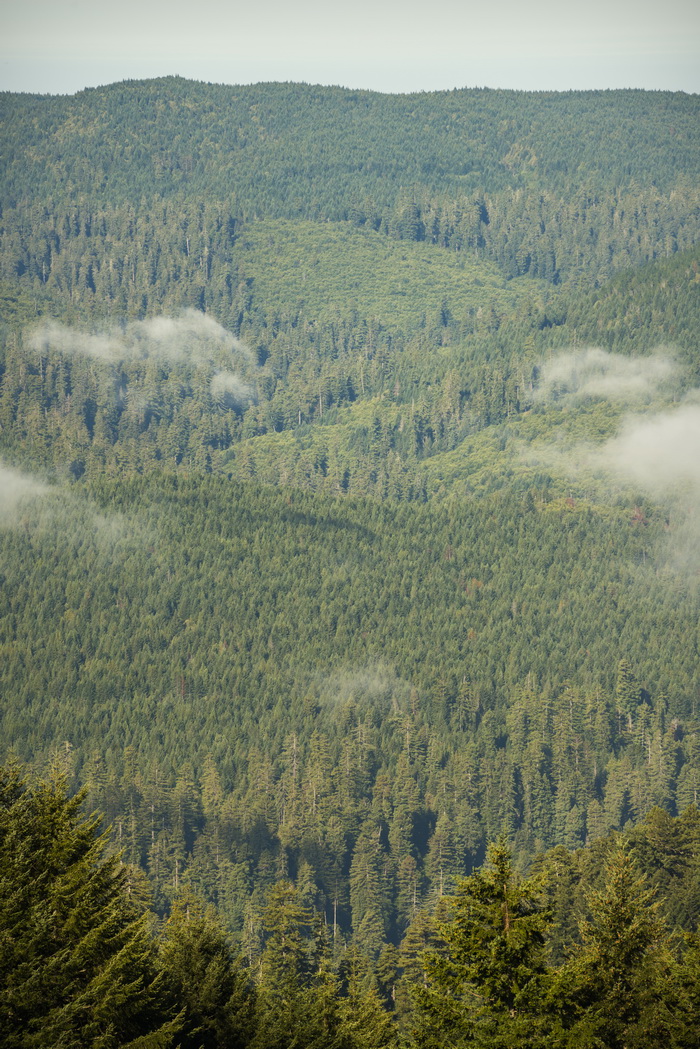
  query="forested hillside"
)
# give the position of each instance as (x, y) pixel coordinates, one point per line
(567, 185)
(348, 520)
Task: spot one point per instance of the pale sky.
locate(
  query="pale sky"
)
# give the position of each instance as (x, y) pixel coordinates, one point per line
(61, 46)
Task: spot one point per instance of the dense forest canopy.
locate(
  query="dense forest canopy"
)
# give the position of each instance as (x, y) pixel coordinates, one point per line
(348, 522)
(297, 149)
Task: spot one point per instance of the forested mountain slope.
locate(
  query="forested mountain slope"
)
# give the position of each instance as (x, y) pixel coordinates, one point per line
(255, 683)
(327, 398)
(349, 482)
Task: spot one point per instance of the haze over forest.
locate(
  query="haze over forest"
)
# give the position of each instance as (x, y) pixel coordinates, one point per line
(349, 524)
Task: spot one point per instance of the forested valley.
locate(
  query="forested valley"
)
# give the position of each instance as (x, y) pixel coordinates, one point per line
(349, 570)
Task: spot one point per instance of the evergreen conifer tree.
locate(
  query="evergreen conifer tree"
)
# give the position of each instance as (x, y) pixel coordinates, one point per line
(617, 990)
(488, 986)
(77, 964)
(205, 980)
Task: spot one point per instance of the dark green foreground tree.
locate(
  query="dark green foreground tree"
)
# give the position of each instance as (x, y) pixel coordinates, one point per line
(78, 966)
(81, 968)
(622, 989)
(625, 985)
(488, 986)
(206, 980)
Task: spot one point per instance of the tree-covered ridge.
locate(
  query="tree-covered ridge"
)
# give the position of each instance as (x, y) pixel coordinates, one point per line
(115, 262)
(560, 187)
(297, 149)
(112, 256)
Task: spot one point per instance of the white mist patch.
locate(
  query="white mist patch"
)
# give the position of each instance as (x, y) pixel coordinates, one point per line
(115, 530)
(659, 453)
(227, 386)
(375, 685)
(595, 373)
(191, 335)
(16, 490)
(58, 338)
(67, 515)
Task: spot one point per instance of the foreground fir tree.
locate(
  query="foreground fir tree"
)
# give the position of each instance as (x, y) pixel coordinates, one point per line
(206, 981)
(302, 1003)
(297, 995)
(365, 1022)
(621, 989)
(78, 968)
(487, 987)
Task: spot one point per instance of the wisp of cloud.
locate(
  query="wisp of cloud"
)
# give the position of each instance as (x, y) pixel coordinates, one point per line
(57, 337)
(16, 489)
(658, 452)
(191, 335)
(595, 373)
(227, 386)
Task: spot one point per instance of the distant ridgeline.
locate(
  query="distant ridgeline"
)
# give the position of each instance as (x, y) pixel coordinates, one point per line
(559, 186)
(349, 489)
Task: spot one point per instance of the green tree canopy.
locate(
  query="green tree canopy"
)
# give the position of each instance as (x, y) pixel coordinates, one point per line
(487, 987)
(77, 964)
